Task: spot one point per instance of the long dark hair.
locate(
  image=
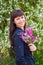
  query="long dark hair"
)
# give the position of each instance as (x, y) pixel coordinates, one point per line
(14, 14)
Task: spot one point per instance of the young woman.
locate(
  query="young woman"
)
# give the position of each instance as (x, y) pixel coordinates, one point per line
(17, 26)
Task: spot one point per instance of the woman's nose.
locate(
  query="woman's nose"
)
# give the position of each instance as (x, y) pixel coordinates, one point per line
(21, 19)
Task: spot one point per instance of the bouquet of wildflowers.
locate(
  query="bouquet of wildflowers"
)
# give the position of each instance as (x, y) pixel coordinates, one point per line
(28, 36)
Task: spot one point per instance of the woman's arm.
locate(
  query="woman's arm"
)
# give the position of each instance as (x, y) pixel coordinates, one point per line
(19, 48)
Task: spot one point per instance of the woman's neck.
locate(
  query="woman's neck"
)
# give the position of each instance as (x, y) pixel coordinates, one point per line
(21, 28)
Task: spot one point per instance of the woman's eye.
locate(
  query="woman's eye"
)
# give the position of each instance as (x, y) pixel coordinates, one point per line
(22, 17)
(17, 19)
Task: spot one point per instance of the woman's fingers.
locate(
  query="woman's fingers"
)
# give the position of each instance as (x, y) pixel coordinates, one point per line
(30, 44)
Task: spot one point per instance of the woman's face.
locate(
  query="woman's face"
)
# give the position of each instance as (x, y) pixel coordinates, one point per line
(20, 21)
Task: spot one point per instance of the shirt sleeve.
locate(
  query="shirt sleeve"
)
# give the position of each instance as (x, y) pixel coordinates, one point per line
(19, 48)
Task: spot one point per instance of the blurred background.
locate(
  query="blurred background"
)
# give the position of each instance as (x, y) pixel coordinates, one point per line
(33, 10)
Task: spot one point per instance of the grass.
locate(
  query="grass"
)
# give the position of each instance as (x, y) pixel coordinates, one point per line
(7, 61)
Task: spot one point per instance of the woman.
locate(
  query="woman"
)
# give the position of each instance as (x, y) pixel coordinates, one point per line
(17, 26)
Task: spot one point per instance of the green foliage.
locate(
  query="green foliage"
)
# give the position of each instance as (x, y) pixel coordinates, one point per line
(33, 10)
(7, 61)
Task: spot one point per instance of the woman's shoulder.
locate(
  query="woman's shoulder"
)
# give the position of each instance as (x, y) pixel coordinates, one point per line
(17, 32)
(17, 35)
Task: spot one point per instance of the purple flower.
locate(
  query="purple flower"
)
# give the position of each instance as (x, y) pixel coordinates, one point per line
(24, 37)
(37, 38)
(28, 37)
(30, 32)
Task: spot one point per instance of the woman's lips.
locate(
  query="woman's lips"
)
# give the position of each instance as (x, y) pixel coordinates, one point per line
(21, 23)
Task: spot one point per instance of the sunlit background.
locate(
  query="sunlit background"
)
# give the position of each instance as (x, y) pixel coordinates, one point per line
(33, 10)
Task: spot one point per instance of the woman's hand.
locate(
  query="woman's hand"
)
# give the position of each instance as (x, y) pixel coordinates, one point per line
(32, 47)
